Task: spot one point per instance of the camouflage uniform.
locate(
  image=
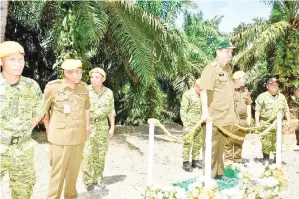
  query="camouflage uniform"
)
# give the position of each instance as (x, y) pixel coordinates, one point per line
(268, 106)
(96, 147)
(190, 114)
(20, 103)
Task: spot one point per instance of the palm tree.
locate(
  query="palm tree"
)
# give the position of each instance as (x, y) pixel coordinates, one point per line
(274, 41)
(4, 9)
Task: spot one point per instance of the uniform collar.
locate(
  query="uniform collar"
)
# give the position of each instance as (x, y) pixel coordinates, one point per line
(3, 80)
(274, 96)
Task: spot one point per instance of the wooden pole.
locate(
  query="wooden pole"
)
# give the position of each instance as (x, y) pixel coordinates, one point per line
(208, 153)
(150, 153)
(278, 140)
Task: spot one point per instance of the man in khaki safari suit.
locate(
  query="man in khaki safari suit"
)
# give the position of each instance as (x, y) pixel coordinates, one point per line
(233, 149)
(21, 108)
(217, 100)
(67, 123)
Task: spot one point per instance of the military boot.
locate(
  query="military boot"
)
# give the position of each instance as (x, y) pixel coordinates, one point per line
(187, 166)
(196, 164)
(90, 187)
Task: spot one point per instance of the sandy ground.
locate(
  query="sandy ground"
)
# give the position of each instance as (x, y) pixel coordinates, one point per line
(125, 175)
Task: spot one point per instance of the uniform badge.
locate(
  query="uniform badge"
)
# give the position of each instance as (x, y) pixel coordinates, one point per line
(61, 92)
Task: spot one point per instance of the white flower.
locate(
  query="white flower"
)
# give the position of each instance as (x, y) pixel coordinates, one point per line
(268, 182)
(195, 192)
(203, 196)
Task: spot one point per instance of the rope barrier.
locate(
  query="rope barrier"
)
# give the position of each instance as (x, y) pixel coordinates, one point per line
(268, 127)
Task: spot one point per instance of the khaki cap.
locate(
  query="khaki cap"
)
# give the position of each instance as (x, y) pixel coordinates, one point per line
(271, 80)
(10, 47)
(98, 70)
(239, 74)
(71, 64)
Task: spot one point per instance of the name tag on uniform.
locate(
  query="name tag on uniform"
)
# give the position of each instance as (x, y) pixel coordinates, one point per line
(67, 108)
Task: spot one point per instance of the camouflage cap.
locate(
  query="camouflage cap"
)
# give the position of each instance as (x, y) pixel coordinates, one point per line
(271, 80)
(225, 44)
(98, 70)
(238, 74)
(10, 47)
(71, 64)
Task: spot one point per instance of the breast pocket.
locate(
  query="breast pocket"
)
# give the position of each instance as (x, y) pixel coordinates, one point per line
(60, 100)
(81, 99)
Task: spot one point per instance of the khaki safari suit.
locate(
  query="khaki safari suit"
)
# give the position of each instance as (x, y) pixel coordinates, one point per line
(233, 149)
(67, 134)
(217, 80)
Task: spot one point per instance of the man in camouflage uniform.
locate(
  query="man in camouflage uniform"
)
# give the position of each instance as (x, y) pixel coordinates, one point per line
(96, 147)
(190, 114)
(233, 149)
(21, 109)
(268, 104)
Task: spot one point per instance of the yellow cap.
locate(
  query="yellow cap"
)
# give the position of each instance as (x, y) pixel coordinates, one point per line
(98, 70)
(71, 64)
(239, 74)
(10, 47)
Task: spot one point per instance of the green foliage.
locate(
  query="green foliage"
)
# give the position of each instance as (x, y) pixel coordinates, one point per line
(273, 42)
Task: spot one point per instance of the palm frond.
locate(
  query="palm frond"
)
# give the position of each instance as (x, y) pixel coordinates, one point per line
(92, 20)
(151, 48)
(247, 58)
(245, 33)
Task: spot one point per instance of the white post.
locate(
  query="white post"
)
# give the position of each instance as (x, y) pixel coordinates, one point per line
(150, 153)
(208, 153)
(278, 140)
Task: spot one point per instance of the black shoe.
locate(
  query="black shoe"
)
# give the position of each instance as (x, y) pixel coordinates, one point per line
(187, 166)
(266, 156)
(90, 187)
(196, 164)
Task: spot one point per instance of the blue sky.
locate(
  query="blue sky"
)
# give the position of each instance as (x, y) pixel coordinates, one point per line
(234, 11)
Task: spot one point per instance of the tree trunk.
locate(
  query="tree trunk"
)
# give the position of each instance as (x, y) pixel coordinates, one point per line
(4, 10)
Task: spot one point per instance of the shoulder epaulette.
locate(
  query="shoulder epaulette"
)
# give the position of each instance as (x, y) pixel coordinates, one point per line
(54, 81)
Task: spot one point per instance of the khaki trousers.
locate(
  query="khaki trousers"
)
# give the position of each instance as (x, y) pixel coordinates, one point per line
(218, 141)
(65, 161)
(233, 149)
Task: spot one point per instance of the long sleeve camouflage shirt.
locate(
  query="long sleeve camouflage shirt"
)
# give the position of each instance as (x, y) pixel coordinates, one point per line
(102, 105)
(190, 110)
(269, 105)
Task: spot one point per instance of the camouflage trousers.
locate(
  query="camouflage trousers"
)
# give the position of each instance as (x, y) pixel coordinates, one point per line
(192, 146)
(269, 141)
(21, 173)
(94, 154)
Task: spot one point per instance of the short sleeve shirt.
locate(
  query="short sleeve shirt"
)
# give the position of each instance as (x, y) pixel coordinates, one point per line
(217, 80)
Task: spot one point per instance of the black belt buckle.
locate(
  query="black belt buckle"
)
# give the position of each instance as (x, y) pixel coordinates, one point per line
(15, 140)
